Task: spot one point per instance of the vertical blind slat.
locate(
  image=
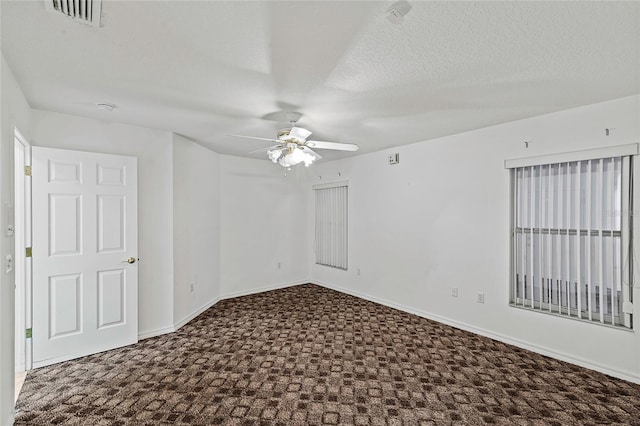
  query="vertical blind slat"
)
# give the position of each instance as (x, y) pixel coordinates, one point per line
(523, 237)
(567, 238)
(587, 263)
(515, 238)
(600, 216)
(558, 251)
(612, 275)
(531, 226)
(578, 236)
(540, 203)
(337, 245)
(549, 237)
(331, 252)
(519, 237)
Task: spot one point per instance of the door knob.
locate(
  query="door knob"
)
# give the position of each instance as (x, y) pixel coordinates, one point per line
(131, 260)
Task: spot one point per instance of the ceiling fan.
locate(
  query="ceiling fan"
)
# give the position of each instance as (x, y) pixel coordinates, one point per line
(293, 147)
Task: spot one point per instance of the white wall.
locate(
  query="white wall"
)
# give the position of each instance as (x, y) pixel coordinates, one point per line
(440, 219)
(196, 228)
(263, 221)
(154, 150)
(14, 113)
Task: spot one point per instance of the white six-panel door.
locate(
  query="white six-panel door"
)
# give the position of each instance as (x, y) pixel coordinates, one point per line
(85, 291)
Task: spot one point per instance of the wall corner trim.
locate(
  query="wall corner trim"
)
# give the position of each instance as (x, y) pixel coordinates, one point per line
(620, 374)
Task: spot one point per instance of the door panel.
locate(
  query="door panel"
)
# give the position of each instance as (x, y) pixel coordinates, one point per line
(65, 297)
(65, 225)
(111, 298)
(111, 224)
(110, 175)
(85, 293)
(64, 172)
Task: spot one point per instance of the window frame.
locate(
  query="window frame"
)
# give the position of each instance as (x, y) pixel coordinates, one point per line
(626, 250)
(339, 259)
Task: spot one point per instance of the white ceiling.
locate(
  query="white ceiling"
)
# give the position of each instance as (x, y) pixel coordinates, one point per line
(207, 69)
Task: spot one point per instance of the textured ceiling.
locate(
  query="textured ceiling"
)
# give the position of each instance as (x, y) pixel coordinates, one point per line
(207, 69)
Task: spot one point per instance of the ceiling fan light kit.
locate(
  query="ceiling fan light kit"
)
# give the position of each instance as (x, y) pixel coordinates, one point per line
(293, 147)
(290, 155)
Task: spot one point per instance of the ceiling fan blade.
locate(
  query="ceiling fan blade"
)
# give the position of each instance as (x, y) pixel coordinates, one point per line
(332, 145)
(255, 137)
(264, 149)
(299, 133)
(311, 152)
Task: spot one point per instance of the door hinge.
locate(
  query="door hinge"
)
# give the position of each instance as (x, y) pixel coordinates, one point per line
(28, 333)
(27, 170)
(28, 252)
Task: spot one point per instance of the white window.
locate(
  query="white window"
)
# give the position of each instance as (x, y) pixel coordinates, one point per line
(331, 224)
(571, 235)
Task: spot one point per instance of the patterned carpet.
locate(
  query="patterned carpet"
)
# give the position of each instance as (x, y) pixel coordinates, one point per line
(309, 355)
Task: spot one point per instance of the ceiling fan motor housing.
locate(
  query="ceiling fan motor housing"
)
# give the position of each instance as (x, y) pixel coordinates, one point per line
(283, 134)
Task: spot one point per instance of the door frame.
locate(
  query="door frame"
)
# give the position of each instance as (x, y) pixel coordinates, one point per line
(22, 240)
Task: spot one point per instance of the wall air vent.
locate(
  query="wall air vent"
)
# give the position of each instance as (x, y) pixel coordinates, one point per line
(85, 11)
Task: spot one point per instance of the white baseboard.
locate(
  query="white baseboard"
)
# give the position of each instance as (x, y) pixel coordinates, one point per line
(625, 375)
(195, 313)
(156, 332)
(263, 289)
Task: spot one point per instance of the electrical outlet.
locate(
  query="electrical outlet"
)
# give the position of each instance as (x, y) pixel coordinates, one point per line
(9, 264)
(358, 272)
(480, 297)
(454, 292)
(394, 158)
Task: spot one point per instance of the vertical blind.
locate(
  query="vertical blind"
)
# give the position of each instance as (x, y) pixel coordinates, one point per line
(571, 239)
(331, 225)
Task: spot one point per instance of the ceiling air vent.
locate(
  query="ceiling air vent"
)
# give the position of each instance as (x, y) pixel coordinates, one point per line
(85, 11)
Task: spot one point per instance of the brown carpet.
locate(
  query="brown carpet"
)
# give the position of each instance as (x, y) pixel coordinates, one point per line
(309, 355)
